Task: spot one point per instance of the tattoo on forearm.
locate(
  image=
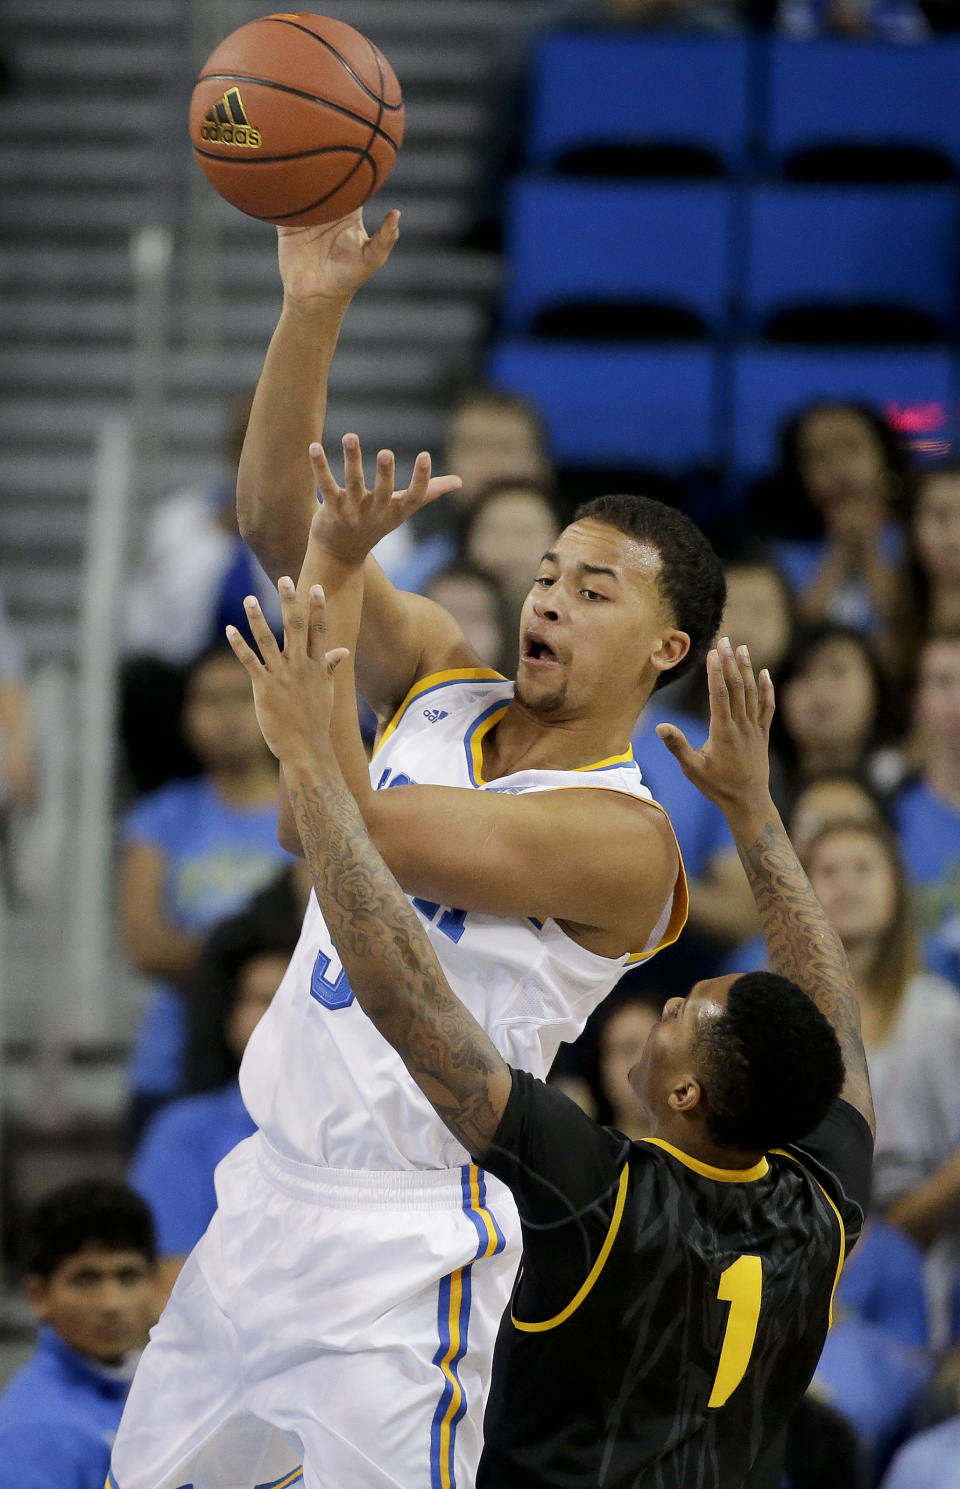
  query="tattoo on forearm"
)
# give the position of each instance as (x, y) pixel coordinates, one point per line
(393, 969)
(803, 945)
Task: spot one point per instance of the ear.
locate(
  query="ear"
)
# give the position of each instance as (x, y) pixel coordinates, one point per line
(670, 651)
(685, 1094)
(36, 1289)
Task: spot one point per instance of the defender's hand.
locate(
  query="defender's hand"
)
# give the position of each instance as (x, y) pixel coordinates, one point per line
(353, 518)
(733, 768)
(293, 688)
(330, 263)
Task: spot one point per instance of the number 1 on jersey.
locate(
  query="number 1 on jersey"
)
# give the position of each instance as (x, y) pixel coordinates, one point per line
(740, 1286)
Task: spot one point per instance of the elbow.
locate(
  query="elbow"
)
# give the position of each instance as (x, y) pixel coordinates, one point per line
(289, 839)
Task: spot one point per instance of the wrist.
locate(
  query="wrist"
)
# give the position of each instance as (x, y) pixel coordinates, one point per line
(747, 817)
(320, 311)
(307, 765)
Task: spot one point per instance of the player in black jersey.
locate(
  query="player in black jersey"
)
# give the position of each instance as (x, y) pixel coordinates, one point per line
(675, 1292)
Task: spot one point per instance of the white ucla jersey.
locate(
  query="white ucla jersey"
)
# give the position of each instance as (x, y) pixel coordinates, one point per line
(317, 1078)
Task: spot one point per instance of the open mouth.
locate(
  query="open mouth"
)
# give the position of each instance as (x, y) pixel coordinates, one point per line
(538, 653)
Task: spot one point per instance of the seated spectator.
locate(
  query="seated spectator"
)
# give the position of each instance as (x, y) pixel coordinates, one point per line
(833, 712)
(843, 480)
(478, 604)
(624, 1025)
(506, 531)
(927, 813)
(928, 592)
(835, 796)
(210, 1060)
(174, 1164)
(911, 1034)
(873, 1380)
(195, 851)
(492, 435)
(189, 581)
(90, 1277)
(928, 1461)
(859, 20)
(882, 1284)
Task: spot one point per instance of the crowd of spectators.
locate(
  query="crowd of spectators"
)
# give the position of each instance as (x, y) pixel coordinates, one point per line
(843, 574)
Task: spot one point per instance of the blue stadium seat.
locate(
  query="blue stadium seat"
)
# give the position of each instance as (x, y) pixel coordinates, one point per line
(769, 386)
(890, 246)
(828, 92)
(617, 405)
(597, 89)
(586, 242)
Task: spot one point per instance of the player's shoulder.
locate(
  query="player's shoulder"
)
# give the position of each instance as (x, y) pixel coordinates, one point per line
(452, 693)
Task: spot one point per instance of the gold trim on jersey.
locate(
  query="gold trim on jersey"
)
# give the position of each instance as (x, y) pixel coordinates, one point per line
(592, 1275)
(843, 1235)
(436, 680)
(708, 1171)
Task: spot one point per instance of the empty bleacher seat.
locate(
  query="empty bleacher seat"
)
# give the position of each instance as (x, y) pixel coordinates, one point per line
(872, 110)
(621, 103)
(838, 263)
(769, 386)
(617, 405)
(633, 259)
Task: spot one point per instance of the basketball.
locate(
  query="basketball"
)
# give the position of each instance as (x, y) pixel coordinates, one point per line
(296, 119)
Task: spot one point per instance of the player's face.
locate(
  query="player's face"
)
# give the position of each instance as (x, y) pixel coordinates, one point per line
(668, 1055)
(101, 1302)
(593, 627)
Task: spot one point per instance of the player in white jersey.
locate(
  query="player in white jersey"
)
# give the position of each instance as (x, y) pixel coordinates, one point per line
(340, 1312)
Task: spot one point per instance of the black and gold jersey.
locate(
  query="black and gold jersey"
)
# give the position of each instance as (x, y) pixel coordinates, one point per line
(668, 1315)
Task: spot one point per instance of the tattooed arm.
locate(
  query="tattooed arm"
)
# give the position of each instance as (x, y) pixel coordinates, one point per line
(386, 955)
(732, 769)
(391, 965)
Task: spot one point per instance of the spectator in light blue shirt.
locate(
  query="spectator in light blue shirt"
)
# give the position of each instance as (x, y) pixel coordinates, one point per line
(196, 851)
(91, 1281)
(930, 1461)
(174, 1166)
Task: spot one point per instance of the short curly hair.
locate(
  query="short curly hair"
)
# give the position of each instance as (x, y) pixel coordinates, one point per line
(690, 580)
(770, 1066)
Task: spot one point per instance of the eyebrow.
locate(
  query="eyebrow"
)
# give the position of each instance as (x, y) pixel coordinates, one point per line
(582, 568)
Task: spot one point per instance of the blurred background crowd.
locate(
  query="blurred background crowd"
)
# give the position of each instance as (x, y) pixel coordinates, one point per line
(703, 249)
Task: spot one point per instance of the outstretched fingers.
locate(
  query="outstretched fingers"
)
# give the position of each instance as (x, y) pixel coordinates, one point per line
(316, 621)
(733, 679)
(327, 485)
(767, 700)
(750, 696)
(261, 632)
(244, 654)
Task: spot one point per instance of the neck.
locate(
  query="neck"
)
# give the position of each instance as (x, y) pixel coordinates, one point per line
(693, 1139)
(942, 775)
(944, 607)
(862, 956)
(245, 785)
(524, 740)
(816, 759)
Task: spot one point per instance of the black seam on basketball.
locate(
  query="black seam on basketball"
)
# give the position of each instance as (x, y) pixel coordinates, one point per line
(239, 77)
(362, 156)
(273, 159)
(283, 21)
(376, 58)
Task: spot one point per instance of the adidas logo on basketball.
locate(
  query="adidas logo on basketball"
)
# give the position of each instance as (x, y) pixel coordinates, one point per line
(434, 715)
(227, 123)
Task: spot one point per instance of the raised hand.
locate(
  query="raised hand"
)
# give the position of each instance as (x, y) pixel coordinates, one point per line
(353, 518)
(733, 768)
(330, 263)
(292, 688)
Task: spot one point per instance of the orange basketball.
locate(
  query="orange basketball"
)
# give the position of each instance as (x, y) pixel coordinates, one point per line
(296, 119)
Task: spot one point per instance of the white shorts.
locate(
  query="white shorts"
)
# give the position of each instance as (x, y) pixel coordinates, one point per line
(339, 1321)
